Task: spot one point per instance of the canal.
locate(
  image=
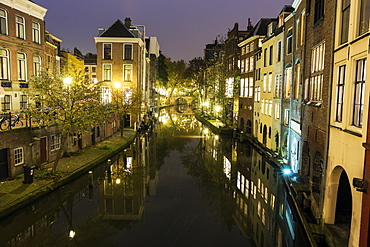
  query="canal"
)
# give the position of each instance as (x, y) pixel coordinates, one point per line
(176, 185)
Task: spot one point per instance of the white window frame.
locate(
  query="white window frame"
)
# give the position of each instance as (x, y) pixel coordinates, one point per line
(4, 65)
(20, 27)
(22, 66)
(55, 141)
(107, 77)
(36, 32)
(106, 95)
(127, 68)
(36, 64)
(4, 19)
(18, 156)
(124, 52)
(103, 53)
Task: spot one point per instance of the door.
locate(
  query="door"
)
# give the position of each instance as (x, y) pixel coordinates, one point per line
(43, 150)
(4, 171)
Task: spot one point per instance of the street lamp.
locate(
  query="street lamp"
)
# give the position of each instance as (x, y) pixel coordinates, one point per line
(67, 80)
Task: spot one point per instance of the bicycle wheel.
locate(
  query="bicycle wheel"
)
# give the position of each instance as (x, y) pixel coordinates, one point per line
(5, 124)
(18, 123)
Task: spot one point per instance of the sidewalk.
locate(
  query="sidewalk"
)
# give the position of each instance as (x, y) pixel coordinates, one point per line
(15, 195)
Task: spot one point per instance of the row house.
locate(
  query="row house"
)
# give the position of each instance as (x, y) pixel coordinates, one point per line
(25, 47)
(123, 63)
(302, 95)
(348, 121)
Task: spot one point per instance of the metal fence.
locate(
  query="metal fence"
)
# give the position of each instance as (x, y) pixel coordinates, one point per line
(17, 120)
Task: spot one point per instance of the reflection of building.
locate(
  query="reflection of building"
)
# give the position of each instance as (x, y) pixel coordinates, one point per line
(122, 193)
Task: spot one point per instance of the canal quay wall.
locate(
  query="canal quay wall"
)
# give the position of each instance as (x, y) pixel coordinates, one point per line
(298, 191)
(14, 194)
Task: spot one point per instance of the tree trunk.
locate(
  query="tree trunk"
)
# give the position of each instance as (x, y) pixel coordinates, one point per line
(60, 152)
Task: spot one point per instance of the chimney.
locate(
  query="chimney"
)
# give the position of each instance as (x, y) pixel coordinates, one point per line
(250, 26)
(128, 22)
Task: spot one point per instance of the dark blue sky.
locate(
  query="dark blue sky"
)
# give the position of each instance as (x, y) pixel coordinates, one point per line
(183, 27)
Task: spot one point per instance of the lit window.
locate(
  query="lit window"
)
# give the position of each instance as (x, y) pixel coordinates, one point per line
(4, 64)
(264, 82)
(359, 97)
(106, 95)
(3, 22)
(107, 51)
(288, 82)
(18, 156)
(269, 82)
(36, 32)
(251, 64)
(127, 72)
(55, 141)
(340, 93)
(127, 52)
(19, 27)
(127, 95)
(22, 69)
(277, 86)
(36, 64)
(277, 111)
(286, 117)
(272, 202)
(251, 85)
(107, 72)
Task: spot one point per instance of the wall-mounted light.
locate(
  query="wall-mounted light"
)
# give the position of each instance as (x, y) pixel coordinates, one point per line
(358, 183)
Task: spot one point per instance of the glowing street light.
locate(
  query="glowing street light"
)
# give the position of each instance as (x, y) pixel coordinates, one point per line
(117, 84)
(287, 171)
(218, 108)
(67, 80)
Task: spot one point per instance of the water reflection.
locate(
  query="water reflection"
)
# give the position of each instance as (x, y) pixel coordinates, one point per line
(177, 185)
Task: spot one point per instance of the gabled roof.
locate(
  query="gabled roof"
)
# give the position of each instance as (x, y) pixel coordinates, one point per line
(118, 29)
(261, 27)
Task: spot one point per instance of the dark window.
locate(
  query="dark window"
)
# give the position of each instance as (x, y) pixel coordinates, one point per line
(265, 57)
(289, 41)
(3, 22)
(271, 54)
(345, 21)
(319, 10)
(23, 101)
(107, 51)
(128, 52)
(6, 103)
(359, 98)
(279, 51)
(364, 16)
(340, 93)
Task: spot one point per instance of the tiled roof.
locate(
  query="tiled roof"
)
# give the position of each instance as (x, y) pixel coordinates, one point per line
(261, 27)
(118, 29)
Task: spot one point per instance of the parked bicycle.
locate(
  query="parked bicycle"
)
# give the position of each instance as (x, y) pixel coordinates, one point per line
(7, 122)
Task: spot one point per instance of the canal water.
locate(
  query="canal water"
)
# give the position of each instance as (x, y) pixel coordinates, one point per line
(176, 185)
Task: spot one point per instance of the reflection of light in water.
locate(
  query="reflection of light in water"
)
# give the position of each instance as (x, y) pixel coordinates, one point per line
(72, 234)
(118, 181)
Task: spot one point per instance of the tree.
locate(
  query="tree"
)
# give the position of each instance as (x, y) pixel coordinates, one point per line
(176, 76)
(126, 101)
(70, 102)
(195, 72)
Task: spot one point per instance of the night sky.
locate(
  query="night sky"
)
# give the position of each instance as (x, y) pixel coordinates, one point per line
(183, 27)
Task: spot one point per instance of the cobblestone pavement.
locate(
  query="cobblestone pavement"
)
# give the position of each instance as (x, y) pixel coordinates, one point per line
(14, 194)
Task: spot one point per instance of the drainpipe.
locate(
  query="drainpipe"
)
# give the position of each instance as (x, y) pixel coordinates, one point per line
(328, 113)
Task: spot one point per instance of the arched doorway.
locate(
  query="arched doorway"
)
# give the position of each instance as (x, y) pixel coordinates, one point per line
(264, 134)
(343, 209)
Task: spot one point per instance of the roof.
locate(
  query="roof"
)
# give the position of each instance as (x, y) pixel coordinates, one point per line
(118, 29)
(260, 28)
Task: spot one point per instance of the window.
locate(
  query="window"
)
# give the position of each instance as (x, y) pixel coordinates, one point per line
(345, 21)
(257, 96)
(242, 87)
(277, 111)
(288, 82)
(340, 93)
(107, 72)
(107, 51)
(317, 66)
(251, 64)
(6, 104)
(36, 64)
(127, 52)
(290, 41)
(264, 82)
(364, 17)
(265, 57)
(3, 22)
(271, 55)
(127, 95)
(258, 74)
(269, 82)
(319, 10)
(247, 64)
(286, 117)
(127, 72)
(106, 95)
(24, 101)
(270, 111)
(303, 23)
(55, 141)
(297, 81)
(277, 86)
(359, 98)
(279, 51)
(93, 69)
(18, 156)
(36, 32)
(251, 85)
(4, 64)
(19, 27)
(22, 71)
